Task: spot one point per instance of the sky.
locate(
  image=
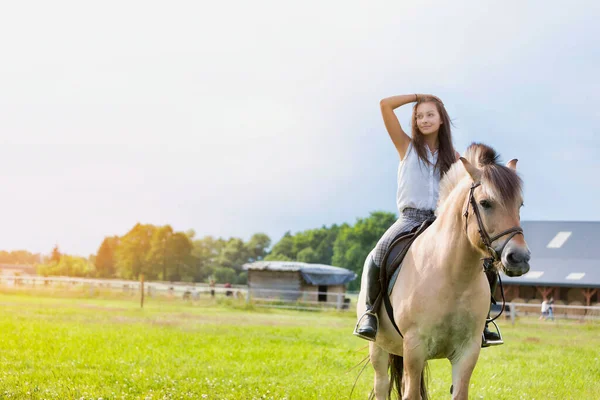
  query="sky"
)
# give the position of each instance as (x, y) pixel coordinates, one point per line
(237, 117)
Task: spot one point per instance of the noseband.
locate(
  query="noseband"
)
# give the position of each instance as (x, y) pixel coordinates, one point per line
(485, 238)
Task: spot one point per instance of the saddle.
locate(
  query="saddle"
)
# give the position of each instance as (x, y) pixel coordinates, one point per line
(390, 266)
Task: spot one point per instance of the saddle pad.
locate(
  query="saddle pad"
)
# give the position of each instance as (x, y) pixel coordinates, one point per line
(392, 281)
(395, 255)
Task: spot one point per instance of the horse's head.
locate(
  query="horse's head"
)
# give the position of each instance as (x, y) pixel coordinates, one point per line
(492, 209)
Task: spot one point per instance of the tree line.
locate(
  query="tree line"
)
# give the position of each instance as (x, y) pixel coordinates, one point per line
(160, 253)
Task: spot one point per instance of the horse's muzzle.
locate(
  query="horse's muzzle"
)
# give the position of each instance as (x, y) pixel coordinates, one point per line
(515, 260)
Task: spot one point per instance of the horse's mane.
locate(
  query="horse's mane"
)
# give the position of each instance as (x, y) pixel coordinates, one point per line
(501, 182)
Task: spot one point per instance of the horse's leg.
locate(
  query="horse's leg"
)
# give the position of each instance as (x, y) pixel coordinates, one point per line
(462, 368)
(414, 363)
(379, 359)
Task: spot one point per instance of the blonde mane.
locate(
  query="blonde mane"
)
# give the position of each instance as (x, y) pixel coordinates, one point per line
(500, 182)
(451, 179)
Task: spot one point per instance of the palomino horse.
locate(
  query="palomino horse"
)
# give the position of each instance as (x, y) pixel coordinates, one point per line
(441, 297)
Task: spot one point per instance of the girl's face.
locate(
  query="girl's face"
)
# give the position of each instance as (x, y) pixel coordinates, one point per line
(428, 118)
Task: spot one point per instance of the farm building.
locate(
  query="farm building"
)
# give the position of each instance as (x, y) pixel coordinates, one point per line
(297, 281)
(565, 264)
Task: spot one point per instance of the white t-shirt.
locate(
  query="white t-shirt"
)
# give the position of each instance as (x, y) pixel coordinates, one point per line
(545, 306)
(418, 183)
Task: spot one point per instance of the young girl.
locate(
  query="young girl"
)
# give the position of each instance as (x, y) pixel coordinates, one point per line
(424, 157)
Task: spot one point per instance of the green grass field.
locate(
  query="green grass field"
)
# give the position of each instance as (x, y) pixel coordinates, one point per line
(77, 348)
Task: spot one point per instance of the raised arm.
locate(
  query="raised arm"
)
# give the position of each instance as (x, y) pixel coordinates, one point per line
(399, 137)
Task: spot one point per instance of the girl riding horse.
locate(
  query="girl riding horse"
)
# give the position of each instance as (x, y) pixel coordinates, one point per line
(425, 157)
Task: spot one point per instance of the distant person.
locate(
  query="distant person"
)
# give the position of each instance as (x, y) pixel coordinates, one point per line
(544, 309)
(228, 293)
(551, 308)
(211, 284)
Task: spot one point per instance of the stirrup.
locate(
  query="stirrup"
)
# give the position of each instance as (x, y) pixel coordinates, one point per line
(488, 343)
(358, 324)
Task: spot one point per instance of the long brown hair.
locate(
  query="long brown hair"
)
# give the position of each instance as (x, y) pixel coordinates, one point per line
(446, 153)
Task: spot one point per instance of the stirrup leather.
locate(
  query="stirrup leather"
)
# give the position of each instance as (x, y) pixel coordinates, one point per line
(489, 343)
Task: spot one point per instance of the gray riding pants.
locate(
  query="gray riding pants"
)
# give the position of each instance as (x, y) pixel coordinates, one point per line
(409, 219)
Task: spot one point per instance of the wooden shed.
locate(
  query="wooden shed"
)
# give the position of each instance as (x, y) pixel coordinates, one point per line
(297, 281)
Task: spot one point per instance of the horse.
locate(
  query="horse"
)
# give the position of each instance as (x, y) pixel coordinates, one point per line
(441, 297)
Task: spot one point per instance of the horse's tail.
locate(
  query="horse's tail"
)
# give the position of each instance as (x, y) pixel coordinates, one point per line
(396, 370)
(424, 380)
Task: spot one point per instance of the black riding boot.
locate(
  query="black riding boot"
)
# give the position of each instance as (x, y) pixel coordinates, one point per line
(491, 338)
(366, 327)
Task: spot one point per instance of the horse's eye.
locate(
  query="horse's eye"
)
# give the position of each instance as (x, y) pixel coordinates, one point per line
(485, 204)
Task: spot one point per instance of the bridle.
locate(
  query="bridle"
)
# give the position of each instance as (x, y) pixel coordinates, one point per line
(485, 237)
(495, 256)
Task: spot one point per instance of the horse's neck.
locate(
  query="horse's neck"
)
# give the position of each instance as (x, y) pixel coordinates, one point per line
(452, 252)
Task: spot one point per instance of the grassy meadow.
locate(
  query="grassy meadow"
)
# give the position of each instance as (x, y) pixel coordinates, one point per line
(80, 348)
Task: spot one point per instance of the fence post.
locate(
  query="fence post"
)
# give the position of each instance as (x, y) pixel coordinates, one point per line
(512, 313)
(142, 290)
(248, 295)
(339, 301)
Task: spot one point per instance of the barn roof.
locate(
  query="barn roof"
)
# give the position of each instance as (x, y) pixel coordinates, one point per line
(563, 253)
(314, 274)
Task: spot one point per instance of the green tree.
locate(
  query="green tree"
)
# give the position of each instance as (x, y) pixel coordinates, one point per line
(157, 258)
(233, 255)
(225, 275)
(179, 258)
(105, 258)
(324, 248)
(354, 243)
(284, 248)
(169, 257)
(257, 247)
(313, 245)
(308, 255)
(321, 242)
(19, 257)
(277, 257)
(242, 278)
(67, 266)
(132, 252)
(204, 253)
(55, 256)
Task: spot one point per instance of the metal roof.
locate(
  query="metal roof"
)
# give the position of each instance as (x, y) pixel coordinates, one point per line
(314, 274)
(563, 253)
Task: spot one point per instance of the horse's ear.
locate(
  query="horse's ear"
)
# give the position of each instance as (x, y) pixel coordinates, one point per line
(512, 164)
(474, 172)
